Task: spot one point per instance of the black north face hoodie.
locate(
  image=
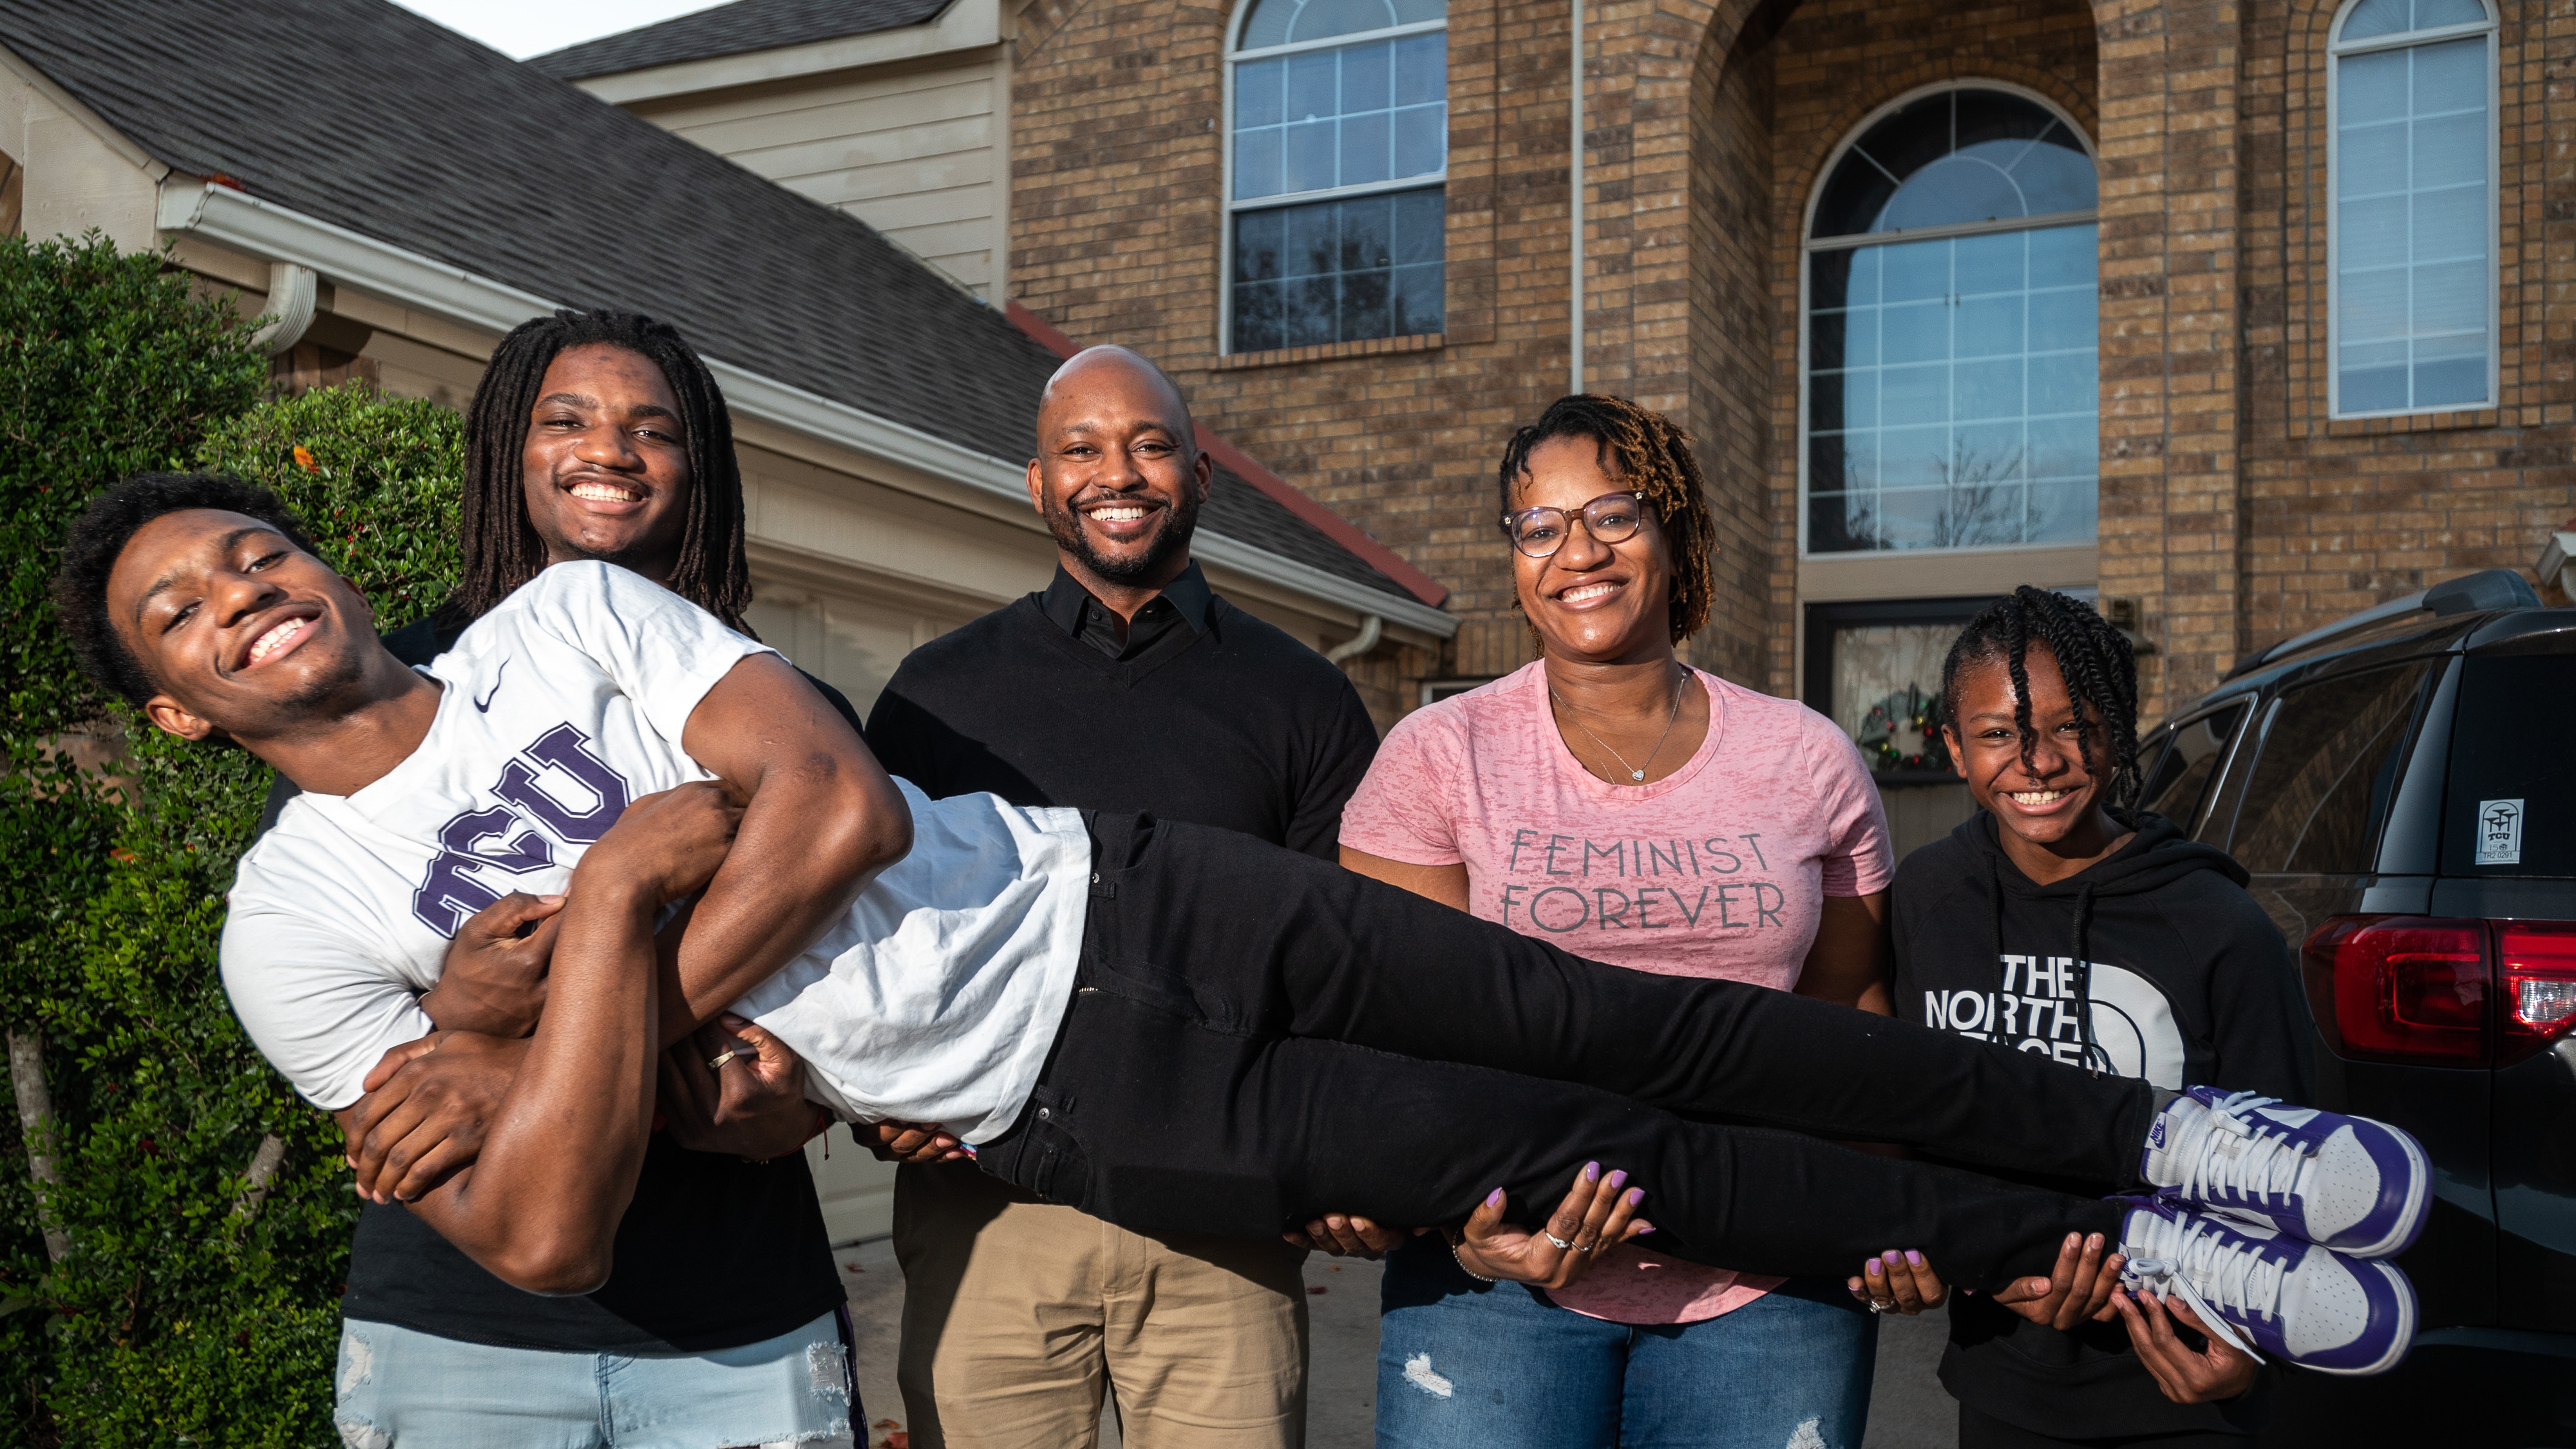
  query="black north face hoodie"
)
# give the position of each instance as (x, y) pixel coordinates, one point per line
(2152, 963)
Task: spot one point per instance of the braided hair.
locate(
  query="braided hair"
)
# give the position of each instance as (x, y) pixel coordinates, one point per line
(2100, 668)
(502, 550)
(1646, 452)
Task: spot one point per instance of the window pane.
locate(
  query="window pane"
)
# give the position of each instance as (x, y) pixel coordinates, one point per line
(1366, 78)
(1421, 141)
(1314, 85)
(2327, 768)
(1364, 149)
(2413, 281)
(2179, 783)
(1422, 70)
(1957, 156)
(1366, 267)
(1277, 22)
(2491, 762)
(1257, 164)
(1309, 163)
(1257, 93)
(2430, 14)
(2378, 17)
(1324, 19)
(1964, 415)
(1886, 686)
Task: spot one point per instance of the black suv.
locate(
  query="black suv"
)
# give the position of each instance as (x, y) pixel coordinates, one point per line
(2402, 785)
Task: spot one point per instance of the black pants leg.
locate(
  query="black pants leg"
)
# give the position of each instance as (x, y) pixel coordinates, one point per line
(1259, 1038)
(1154, 1120)
(1263, 941)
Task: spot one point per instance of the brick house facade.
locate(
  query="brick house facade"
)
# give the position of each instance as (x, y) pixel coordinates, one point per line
(2208, 487)
(2232, 509)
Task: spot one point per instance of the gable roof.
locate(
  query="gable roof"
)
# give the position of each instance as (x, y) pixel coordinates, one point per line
(735, 29)
(365, 116)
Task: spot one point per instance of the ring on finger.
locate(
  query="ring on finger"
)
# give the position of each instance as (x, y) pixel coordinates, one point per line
(1562, 1245)
(718, 1062)
(1877, 1307)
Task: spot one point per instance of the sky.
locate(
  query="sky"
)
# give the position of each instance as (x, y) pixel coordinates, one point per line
(522, 28)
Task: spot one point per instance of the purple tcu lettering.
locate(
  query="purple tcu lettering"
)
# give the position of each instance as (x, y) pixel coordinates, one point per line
(568, 750)
(449, 895)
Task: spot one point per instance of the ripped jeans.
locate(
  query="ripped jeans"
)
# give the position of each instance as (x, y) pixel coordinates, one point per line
(1467, 1365)
(396, 1388)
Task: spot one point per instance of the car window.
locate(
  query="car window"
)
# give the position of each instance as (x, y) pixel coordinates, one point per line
(2177, 786)
(2510, 808)
(2328, 765)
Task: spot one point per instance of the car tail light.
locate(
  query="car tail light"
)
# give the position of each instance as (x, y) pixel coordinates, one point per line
(2536, 963)
(2438, 992)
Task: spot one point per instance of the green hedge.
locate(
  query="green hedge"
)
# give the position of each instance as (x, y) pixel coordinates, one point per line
(178, 1315)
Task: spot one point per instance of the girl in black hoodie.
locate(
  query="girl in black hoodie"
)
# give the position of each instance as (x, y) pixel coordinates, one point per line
(2063, 919)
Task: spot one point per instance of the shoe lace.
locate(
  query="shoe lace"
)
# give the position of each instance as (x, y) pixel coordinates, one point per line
(2252, 1159)
(2219, 1274)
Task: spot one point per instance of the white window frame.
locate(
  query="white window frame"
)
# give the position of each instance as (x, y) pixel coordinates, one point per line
(2336, 49)
(1225, 171)
(1809, 244)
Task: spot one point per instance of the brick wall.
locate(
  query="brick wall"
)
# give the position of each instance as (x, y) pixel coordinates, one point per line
(2229, 506)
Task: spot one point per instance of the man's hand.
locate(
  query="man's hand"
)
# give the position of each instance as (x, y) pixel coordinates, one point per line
(1347, 1235)
(752, 1105)
(2079, 1288)
(494, 981)
(1598, 1211)
(910, 1142)
(2217, 1372)
(671, 842)
(428, 1105)
(1896, 1282)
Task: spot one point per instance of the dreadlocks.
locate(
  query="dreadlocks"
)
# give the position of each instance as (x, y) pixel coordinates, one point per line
(1644, 451)
(2100, 668)
(503, 550)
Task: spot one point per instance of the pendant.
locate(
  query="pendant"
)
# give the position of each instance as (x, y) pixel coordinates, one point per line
(1636, 774)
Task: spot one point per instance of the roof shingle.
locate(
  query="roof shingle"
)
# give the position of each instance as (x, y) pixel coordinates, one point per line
(365, 115)
(736, 29)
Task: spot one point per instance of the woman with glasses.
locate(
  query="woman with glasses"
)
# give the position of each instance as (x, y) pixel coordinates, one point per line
(1613, 800)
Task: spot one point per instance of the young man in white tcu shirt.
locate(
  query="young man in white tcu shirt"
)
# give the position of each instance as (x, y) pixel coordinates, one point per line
(1170, 1027)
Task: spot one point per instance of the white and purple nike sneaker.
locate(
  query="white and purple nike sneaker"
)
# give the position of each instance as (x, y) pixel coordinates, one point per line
(2347, 1183)
(2266, 1293)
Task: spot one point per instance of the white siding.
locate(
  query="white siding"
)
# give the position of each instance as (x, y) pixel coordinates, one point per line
(919, 155)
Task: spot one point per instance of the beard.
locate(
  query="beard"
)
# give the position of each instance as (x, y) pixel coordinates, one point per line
(1170, 539)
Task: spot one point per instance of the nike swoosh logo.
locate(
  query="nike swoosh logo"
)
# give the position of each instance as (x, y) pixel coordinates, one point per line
(484, 705)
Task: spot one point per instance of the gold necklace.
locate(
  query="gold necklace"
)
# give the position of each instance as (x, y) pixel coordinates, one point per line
(1636, 773)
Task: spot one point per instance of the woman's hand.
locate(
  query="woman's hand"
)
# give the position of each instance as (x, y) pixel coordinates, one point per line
(1599, 1210)
(1896, 1282)
(2080, 1287)
(910, 1142)
(752, 1106)
(1348, 1235)
(2216, 1372)
(494, 980)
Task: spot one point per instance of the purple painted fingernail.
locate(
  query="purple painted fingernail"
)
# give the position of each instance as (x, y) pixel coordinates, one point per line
(1494, 1198)
(1890, 1256)
(1617, 1180)
(1874, 1267)
(1592, 1172)
(1637, 1195)
(1914, 1257)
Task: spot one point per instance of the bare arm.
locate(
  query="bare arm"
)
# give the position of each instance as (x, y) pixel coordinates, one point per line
(822, 819)
(1446, 884)
(1851, 962)
(557, 1168)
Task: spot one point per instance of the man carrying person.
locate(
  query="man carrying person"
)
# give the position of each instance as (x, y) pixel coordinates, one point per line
(596, 435)
(1127, 685)
(1171, 1027)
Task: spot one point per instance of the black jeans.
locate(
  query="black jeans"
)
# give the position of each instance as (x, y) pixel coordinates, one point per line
(1257, 1037)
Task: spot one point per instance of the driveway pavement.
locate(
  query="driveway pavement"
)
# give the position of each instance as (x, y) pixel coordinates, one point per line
(1908, 1410)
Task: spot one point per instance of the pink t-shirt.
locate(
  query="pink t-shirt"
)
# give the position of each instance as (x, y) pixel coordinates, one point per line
(1718, 869)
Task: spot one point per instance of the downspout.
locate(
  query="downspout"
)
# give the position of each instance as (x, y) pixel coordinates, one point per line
(292, 292)
(1574, 330)
(1360, 643)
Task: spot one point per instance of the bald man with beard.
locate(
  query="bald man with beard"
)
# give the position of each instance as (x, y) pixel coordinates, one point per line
(1127, 684)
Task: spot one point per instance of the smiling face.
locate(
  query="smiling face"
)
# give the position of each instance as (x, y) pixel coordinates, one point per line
(2054, 795)
(1118, 476)
(244, 633)
(605, 468)
(1600, 603)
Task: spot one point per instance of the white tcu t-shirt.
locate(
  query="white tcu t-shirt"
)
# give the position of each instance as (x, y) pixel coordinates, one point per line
(934, 1000)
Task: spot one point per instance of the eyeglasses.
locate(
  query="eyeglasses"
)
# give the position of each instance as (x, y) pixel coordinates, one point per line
(1611, 518)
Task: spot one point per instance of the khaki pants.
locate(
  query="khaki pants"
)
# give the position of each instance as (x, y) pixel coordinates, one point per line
(1018, 1313)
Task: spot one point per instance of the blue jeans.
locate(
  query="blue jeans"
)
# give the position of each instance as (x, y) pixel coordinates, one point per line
(1461, 1364)
(399, 1387)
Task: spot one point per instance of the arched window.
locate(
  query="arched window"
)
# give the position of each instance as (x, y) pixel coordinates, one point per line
(2412, 162)
(1337, 144)
(1950, 376)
